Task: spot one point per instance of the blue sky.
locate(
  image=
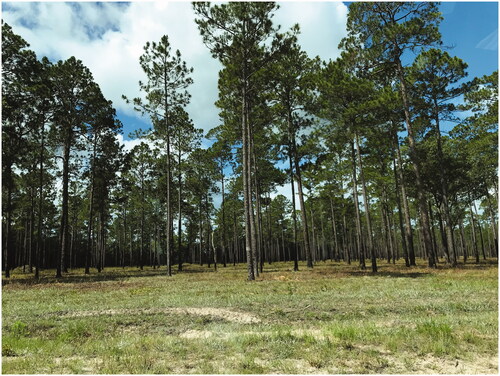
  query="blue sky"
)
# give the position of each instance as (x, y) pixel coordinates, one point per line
(471, 28)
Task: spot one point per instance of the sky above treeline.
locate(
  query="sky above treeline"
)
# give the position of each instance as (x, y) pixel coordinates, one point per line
(109, 38)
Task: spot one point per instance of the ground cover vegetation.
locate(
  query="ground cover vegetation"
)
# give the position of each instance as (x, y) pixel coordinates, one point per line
(390, 150)
(331, 319)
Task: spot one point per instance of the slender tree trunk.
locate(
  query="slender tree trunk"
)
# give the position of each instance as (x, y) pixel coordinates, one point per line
(367, 207)
(294, 215)
(65, 206)
(258, 226)
(408, 228)
(305, 229)
(168, 246)
(201, 233)
(32, 228)
(359, 234)
(480, 232)
(124, 234)
(493, 222)
(224, 250)
(444, 191)
(179, 209)
(235, 240)
(444, 239)
(141, 250)
(130, 247)
(433, 235)
(395, 253)
(91, 209)
(269, 230)
(385, 232)
(422, 201)
(252, 186)
(474, 239)
(345, 241)
(463, 241)
(214, 249)
(314, 245)
(40, 203)
(334, 229)
(247, 197)
(404, 235)
(72, 241)
(323, 240)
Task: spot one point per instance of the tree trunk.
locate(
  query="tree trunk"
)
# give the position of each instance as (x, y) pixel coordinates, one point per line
(334, 228)
(305, 229)
(269, 231)
(359, 235)
(247, 197)
(444, 192)
(40, 203)
(493, 222)
(251, 191)
(258, 214)
(404, 235)
(314, 245)
(179, 208)
(433, 234)
(294, 215)
(65, 206)
(323, 240)
(201, 233)
(463, 241)
(141, 251)
(408, 234)
(224, 250)
(367, 207)
(480, 231)
(395, 253)
(422, 201)
(91, 210)
(385, 232)
(474, 239)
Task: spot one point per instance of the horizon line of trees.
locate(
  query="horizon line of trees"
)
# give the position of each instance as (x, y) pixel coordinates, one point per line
(368, 124)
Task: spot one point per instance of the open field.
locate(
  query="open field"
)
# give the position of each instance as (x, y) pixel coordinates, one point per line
(332, 319)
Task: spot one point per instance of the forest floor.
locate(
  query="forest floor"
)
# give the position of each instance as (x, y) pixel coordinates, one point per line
(330, 320)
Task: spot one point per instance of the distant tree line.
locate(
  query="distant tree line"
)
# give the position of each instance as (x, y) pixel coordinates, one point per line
(391, 150)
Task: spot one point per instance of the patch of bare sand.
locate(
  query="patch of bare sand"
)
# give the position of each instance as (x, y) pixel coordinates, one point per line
(222, 313)
(201, 334)
(406, 363)
(429, 364)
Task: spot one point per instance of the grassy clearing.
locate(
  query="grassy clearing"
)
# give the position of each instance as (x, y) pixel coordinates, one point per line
(332, 319)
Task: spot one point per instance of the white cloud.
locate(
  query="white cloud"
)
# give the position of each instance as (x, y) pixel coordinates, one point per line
(129, 144)
(322, 25)
(490, 42)
(109, 38)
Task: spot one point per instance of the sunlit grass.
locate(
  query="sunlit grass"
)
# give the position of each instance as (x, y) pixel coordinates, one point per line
(331, 319)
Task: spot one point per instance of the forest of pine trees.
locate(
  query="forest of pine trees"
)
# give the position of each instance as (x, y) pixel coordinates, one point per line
(390, 151)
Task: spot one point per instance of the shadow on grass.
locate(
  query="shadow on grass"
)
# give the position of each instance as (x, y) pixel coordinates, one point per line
(111, 274)
(76, 276)
(94, 276)
(393, 274)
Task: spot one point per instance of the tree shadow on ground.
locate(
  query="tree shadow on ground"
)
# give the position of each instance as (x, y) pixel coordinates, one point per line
(112, 274)
(103, 276)
(393, 274)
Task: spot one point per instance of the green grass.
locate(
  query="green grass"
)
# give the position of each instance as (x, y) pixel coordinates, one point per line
(332, 319)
